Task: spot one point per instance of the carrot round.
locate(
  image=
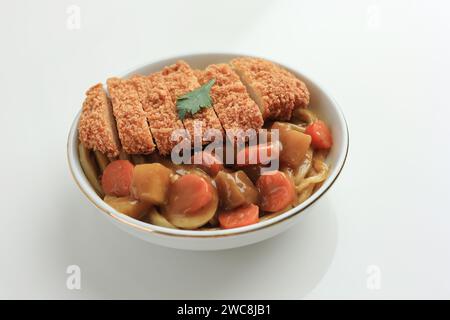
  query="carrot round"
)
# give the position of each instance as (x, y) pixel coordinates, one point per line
(117, 177)
(242, 216)
(209, 163)
(251, 155)
(189, 194)
(276, 191)
(321, 137)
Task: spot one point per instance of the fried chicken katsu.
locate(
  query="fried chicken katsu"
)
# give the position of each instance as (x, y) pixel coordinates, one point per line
(179, 78)
(140, 115)
(232, 104)
(134, 132)
(97, 127)
(276, 91)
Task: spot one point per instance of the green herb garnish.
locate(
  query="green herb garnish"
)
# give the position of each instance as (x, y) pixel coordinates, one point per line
(193, 101)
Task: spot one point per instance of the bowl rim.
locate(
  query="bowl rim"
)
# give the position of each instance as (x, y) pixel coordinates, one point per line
(81, 180)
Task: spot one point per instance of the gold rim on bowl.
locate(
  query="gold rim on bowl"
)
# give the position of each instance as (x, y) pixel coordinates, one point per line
(146, 227)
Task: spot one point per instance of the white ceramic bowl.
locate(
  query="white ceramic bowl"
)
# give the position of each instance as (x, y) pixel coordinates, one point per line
(321, 103)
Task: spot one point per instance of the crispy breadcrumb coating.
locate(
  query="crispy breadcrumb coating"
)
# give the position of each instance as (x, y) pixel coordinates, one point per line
(97, 127)
(179, 79)
(143, 108)
(275, 90)
(233, 105)
(131, 120)
(160, 110)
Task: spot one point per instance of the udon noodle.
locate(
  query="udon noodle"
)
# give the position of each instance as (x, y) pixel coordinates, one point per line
(310, 175)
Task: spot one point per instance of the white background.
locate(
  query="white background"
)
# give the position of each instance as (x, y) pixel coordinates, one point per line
(385, 62)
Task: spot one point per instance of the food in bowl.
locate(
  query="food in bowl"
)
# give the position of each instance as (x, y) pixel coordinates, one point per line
(219, 148)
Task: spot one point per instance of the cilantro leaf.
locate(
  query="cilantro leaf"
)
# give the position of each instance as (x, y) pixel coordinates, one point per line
(193, 101)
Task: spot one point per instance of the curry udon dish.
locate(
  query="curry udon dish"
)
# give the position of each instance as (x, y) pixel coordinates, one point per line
(218, 148)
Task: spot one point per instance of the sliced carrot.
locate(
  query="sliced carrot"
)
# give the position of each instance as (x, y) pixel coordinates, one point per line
(321, 137)
(116, 179)
(242, 216)
(276, 191)
(189, 193)
(251, 155)
(209, 163)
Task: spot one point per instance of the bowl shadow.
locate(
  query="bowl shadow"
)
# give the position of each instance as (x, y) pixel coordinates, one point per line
(115, 265)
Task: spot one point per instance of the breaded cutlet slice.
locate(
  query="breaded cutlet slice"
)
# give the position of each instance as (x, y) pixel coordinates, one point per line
(179, 79)
(276, 91)
(134, 132)
(231, 101)
(160, 110)
(97, 127)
